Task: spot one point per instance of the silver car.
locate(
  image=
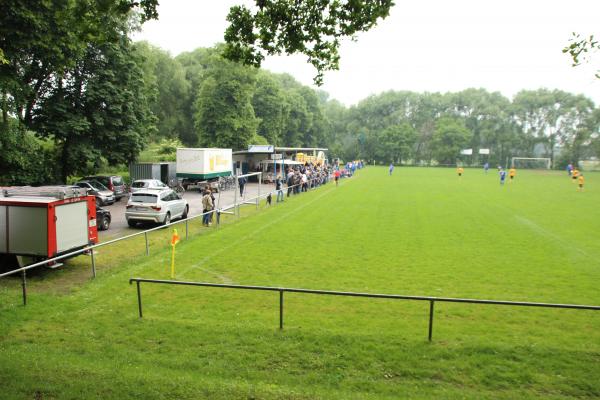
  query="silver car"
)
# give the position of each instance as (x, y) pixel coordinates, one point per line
(95, 188)
(142, 184)
(155, 205)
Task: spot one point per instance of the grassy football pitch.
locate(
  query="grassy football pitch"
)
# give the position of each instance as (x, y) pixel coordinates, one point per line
(418, 232)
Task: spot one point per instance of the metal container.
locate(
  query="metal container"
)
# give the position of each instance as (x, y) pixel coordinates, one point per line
(162, 171)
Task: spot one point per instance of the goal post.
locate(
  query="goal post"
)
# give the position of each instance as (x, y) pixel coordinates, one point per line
(530, 163)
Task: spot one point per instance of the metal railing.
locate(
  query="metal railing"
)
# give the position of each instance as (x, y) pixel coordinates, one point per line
(283, 290)
(90, 249)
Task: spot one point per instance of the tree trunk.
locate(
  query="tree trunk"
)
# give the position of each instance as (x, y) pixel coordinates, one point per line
(4, 113)
(64, 158)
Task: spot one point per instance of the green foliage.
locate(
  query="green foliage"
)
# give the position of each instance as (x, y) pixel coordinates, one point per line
(169, 146)
(25, 159)
(224, 116)
(168, 91)
(164, 150)
(449, 138)
(109, 119)
(269, 107)
(71, 77)
(397, 142)
(313, 28)
(581, 48)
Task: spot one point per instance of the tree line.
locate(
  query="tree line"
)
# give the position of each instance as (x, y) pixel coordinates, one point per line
(78, 95)
(417, 128)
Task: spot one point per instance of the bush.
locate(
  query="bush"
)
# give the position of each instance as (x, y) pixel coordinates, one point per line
(25, 159)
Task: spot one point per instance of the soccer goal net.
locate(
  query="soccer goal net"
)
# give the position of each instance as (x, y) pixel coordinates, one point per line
(530, 163)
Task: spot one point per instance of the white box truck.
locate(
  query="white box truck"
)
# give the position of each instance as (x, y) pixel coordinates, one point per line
(196, 166)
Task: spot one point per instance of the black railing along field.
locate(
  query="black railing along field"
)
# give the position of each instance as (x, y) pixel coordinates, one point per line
(282, 290)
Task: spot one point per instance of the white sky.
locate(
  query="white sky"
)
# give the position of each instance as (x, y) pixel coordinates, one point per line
(424, 45)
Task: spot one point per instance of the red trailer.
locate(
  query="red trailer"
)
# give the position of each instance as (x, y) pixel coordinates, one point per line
(44, 222)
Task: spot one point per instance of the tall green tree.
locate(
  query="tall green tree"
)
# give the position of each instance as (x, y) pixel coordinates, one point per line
(46, 46)
(41, 40)
(269, 107)
(449, 138)
(224, 116)
(168, 91)
(397, 142)
(547, 116)
(97, 111)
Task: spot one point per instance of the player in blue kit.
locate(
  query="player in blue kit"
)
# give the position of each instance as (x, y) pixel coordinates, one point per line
(502, 176)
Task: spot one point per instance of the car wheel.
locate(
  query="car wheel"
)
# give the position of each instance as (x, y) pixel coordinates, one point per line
(185, 212)
(131, 223)
(167, 219)
(105, 224)
(98, 202)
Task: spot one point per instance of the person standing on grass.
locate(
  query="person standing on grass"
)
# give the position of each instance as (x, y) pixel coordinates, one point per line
(214, 205)
(278, 184)
(460, 171)
(290, 181)
(336, 176)
(486, 166)
(242, 182)
(391, 168)
(304, 181)
(511, 174)
(581, 180)
(502, 176)
(207, 205)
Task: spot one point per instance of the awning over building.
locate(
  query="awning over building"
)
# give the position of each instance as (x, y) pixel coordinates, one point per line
(279, 162)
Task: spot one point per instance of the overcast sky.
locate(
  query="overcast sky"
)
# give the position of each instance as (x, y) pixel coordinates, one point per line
(425, 45)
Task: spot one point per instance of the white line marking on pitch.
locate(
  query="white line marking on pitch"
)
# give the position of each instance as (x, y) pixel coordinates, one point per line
(253, 233)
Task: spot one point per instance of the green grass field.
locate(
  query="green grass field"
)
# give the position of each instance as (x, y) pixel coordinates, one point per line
(419, 232)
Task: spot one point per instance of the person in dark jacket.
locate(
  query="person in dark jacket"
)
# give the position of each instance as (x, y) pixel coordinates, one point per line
(242, 182)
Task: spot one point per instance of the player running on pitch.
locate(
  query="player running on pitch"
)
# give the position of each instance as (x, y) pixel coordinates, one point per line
(575, 175)
(460, 171)
(502, 174)
(581, 180)
(511, 174)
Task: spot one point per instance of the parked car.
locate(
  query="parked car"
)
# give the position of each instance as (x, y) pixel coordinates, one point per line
(155, 205)
(142, 184)
(112, 182)
(103, 218)
(95, 188)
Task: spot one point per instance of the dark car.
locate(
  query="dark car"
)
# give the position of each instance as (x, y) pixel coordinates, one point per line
(103, 218)
(114, 183)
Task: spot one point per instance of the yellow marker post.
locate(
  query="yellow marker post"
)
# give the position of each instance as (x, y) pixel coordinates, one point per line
(174, 241)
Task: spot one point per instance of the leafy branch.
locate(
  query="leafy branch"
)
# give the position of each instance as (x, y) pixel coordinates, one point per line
(310, 27)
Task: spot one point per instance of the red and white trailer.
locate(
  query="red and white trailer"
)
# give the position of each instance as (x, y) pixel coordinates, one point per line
(44, 222)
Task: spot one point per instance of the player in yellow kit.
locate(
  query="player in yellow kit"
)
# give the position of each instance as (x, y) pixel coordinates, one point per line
(575, 175)
(511, 174)
(460, 171)
(581, 180)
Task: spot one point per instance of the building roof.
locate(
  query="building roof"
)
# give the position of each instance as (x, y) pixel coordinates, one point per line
(270, 149)
(300, 149)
